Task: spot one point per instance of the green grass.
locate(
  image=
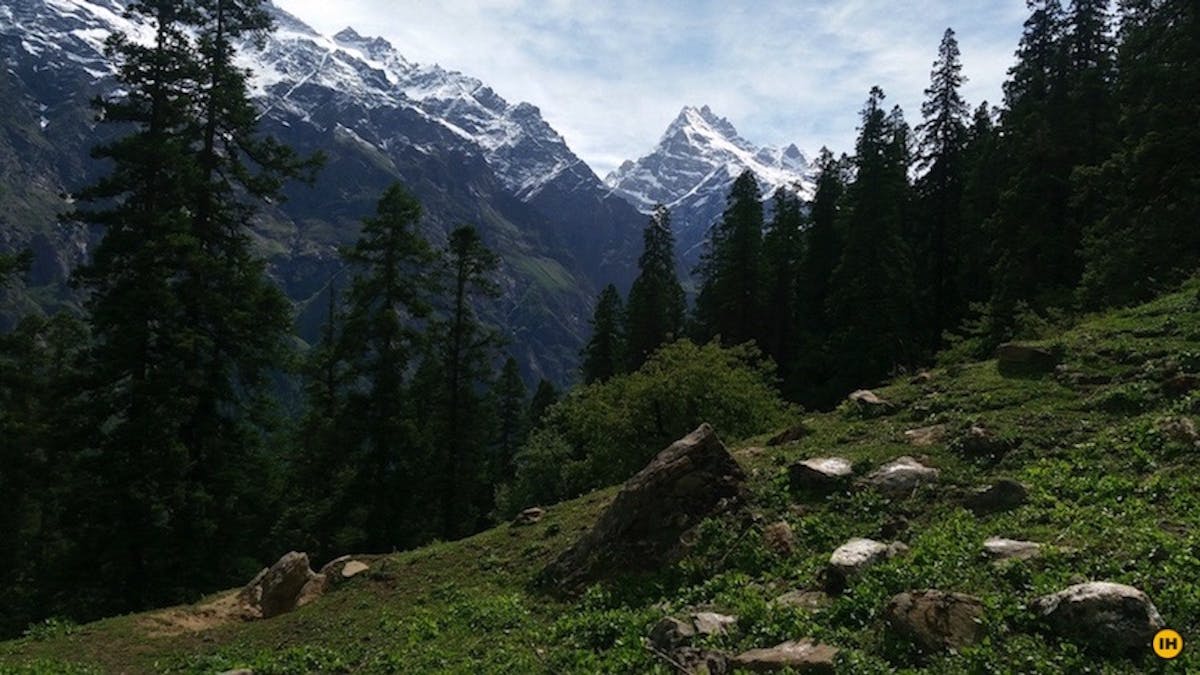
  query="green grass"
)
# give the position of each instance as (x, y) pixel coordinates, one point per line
(1119, 497)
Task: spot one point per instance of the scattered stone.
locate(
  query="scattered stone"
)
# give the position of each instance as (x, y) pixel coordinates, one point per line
(801, 656)
(1000, 549)
(354, 568)
(1106, 616)
(278, 588)
(810, 600)
(926, 436)
(1003, 495)
(529, 516)
(936, 620)
(923, 377)
(869, 403)
(1018, 359)
(1181, 385)
(700, 661)
(980, 441)
(901, 476)
(671, 633)
(856, 555)
(820, 475)
(789, 436)
(1181, 430)
(780, 538)
(642, 527)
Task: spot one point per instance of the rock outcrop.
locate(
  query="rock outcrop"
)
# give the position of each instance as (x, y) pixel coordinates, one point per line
(279, 588)
(801, 656)
(936, 620)
(926, 436)
(1102, 615)
(640, 531)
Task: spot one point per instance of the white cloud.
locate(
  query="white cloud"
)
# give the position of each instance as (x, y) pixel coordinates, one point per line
(609, 76)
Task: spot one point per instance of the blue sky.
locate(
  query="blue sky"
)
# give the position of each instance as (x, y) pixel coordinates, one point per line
(610, 75)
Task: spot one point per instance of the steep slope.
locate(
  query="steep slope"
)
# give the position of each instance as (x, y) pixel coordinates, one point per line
(692, 168)
(1105, 445)
(468, 154)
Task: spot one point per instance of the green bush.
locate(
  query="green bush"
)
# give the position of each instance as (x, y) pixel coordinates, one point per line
(603, 433)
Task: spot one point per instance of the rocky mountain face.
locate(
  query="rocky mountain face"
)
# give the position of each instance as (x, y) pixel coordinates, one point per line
(692, 168)
(468, 155)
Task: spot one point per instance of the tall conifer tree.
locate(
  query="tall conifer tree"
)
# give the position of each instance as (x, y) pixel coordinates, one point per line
(656, 307)
(604, 356)
(729, 304)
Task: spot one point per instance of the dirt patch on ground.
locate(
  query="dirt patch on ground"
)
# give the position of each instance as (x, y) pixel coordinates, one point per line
(224, 609)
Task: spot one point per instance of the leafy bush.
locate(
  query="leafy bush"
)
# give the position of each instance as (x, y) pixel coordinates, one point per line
(603, 433)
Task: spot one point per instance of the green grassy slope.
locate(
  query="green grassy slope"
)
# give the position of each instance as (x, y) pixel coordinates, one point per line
(1107, 485)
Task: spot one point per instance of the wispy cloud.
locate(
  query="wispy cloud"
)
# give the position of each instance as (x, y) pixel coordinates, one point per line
(611, 75)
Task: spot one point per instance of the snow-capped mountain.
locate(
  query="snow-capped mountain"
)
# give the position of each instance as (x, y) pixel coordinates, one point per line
(692, 168)
(468, 154)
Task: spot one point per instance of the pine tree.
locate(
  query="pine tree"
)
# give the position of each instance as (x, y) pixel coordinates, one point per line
(783, 247)
(983, 168)
(604, 356)
(466, 355)
(391, 292)
(938, 243)
(871, 297)
(510, 396)
(187, 326)
(823, 243)
(729, 304)
(545, 396)
(655, 313)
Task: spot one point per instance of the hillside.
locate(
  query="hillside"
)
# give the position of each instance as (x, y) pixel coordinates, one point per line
(1104, 443)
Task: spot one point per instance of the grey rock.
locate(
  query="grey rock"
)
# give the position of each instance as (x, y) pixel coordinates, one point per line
(901, 476)
(278, 588)
(529, 516)
(936, 620)
(856, 555)
(926, 436)
(1003, 495)
(820, 474)
(1104, 616)
(1001, 549)
(801, 656)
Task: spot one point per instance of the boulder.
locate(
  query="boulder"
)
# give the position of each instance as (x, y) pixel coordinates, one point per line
(780, 538)
(981, 441)
(789, 435)
(1000, 549)
(1003, 495)
(810, 600)
(901, 476)
(856, 555)
(641, 529)
(801, 656)
(868, 403)
(278, 589)
(354, 568)
(820, 475)
(926, 436)
(1108, 617)
(671, 633)
(936, 620)
(529, 516)
(1019, 359)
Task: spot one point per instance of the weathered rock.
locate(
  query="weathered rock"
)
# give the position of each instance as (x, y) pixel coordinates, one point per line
(926, 436)
(278, 588)
(529, 516)
(354, 568)
(700, 661)
(789, 435)
(901, 476)
(936, 620)
(641, 530)
(923, 377)
(1003, 495)
(820, 475)
(981, 441)
(1000, 549)
(780, 538)
(671, 633)
(1181, 385)
(810, 600)
(1180, 430)
(856, 555)
(802, 656)
(869, 403)
(1020, 359)
(1105, 616)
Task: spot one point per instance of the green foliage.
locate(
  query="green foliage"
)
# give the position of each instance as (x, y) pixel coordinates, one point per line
(51, 628)
(603, 433)
(729, 305)
(605, 353)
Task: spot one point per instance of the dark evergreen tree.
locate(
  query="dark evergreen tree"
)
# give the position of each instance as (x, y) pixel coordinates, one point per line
(783, 250)
(655, 313)
(510, 396)
(823, 243)
(871, 297)
(983, 168)
(604, 356)
(544, 396)
(938, 245)
(729, 304)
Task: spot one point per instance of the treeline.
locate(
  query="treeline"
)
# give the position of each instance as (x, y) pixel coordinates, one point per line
(1079, 191)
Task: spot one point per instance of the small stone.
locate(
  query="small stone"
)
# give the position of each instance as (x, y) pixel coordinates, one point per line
(530, 516)
(810, 600)
(936, 620)
(926, 436)
(1105, 616)
(354, 568)
(820, 475)
(712, 623)
(1000, 549)
(923, 377)
(869, 403)
(789, 435)
(980, 441)
(856, 555)
(1003, 495)
(801, 656)
(780, 538)
(901, 476)
(670, 633)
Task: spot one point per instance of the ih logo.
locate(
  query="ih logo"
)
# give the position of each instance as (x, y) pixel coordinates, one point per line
(1168, 644)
